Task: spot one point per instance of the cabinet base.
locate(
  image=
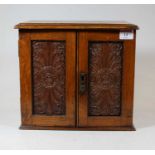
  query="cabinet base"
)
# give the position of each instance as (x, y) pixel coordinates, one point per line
(118, 128)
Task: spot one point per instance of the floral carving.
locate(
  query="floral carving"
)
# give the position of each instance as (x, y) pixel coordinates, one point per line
(48, 69)
(105, 68)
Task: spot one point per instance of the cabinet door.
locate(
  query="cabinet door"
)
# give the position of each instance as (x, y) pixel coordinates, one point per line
(47, 72)
(106, 72)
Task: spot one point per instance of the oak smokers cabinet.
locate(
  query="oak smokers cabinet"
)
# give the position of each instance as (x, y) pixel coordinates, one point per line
(77, 75)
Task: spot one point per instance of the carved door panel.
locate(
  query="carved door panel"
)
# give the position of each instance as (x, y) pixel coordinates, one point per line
(52, 82)
(102, 60)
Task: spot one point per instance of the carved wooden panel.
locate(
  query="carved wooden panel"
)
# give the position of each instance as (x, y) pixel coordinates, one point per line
(48, 70)
(105, 68)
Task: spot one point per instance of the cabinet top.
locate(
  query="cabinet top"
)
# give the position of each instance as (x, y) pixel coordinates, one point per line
(82, 25)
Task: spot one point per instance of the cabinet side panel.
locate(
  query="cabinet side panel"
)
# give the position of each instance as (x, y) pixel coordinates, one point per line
(48, 77)
(105, 71)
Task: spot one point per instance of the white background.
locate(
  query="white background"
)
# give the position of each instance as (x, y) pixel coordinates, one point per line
(144, 110)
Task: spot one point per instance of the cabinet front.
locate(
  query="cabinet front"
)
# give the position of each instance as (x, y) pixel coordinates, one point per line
(76, 79)
(47, 61)
(106, 66)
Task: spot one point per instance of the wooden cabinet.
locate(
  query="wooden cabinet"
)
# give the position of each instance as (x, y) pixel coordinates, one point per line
(77, 76)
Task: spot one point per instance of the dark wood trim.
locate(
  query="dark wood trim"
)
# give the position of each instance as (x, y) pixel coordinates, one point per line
(76, 25)
(112, 128)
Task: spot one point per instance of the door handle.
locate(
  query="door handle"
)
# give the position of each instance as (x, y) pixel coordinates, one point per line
(83, 83)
